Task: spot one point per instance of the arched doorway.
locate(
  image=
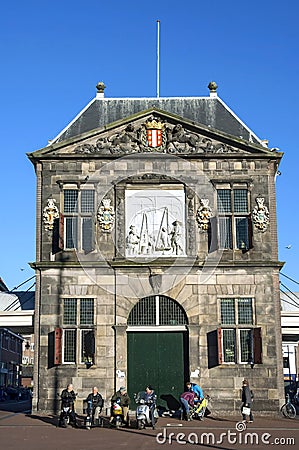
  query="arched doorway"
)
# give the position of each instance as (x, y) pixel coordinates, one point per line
(158, 348)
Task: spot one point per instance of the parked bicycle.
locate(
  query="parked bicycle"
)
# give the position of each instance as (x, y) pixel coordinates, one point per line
(288, 409)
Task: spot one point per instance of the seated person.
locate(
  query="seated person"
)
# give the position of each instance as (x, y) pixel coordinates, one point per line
(97, 403)
(68, 398)
(124, 403)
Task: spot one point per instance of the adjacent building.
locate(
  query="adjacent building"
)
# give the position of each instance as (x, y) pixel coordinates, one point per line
(290, 335)
(157, 254)
(17, 317)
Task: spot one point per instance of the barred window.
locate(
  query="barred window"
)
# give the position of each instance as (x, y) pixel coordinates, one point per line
(224, 200)
(237, 341)
(70, 201)
(246, 345)
(245, 312)
(69, 348)
(228, 311)
(86, 311)
(229, 345)
(79, 208)
(233, 219)
(157, 310)
(70, 311)
(78, 322)
(240, 201)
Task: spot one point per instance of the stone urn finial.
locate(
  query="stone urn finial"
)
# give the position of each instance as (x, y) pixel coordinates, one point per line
(100, 87)
(213, 86)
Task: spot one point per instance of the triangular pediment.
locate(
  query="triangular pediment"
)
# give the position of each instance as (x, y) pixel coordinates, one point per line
(152, 131)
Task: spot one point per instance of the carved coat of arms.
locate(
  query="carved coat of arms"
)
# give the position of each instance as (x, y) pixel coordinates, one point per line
(260, 215)
(50, 213)
(153, 135)
(106, 215)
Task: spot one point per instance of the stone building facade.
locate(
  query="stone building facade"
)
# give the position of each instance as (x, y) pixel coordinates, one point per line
(157, 256)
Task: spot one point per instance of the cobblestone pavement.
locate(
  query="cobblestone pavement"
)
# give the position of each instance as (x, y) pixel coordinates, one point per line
(40, 432)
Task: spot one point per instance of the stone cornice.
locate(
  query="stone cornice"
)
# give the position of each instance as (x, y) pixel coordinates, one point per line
(123, 263)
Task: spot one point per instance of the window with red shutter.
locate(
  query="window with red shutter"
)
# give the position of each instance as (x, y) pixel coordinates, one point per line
(58, 346)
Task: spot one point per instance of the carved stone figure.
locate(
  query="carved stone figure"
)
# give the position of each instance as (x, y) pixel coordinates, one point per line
(179, 140)
(133, 241)
(260, 215)
(50, 213)
(176, 238)
(125, 142)
(204, 214)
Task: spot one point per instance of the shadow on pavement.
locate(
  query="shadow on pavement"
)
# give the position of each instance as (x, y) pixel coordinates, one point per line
(16, 406)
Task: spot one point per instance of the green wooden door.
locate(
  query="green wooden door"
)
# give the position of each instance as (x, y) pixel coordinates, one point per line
(159, 359)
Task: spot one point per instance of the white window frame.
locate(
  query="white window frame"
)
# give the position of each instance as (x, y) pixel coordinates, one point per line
(79, 215)
(78, 328)
(233, 216)
(237, 328)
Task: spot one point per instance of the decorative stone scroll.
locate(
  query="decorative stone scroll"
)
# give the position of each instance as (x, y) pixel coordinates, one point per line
(106, 215)
(204, 214)
(260, 215)
(154, 135)
(50, 213)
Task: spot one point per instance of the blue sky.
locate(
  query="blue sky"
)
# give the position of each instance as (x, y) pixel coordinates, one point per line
(54, 53)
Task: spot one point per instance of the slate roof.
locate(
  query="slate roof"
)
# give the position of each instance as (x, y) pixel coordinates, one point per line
(17, 301)
(209, 111)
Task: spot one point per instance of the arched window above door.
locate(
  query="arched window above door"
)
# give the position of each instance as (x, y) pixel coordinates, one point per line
(157, 310)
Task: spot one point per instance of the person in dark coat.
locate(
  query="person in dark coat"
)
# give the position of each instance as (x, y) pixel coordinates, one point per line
(124, 401)
(151, 399)
(96, 403)
(246, 399)
(68, 398)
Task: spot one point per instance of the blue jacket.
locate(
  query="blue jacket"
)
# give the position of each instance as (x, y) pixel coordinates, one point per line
(197, 390)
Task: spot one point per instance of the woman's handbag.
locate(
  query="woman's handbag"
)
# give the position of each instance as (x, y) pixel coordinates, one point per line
(245, 410)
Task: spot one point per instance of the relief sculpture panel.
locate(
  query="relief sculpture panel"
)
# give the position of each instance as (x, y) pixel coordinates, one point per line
(154, 135)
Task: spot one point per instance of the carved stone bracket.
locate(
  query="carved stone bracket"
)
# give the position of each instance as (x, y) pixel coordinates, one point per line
(204, 214)
(106, 215)
(260, 215)
(50, 213)
(154, 135)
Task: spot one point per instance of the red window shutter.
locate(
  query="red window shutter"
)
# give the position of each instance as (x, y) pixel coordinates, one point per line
(257, 346)
(58, 346)
(219, 340)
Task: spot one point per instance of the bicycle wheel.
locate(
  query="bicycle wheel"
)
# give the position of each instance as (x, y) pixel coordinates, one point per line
(288, 410)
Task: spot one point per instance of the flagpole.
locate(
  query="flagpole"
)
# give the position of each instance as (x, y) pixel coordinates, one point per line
(158, 58)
